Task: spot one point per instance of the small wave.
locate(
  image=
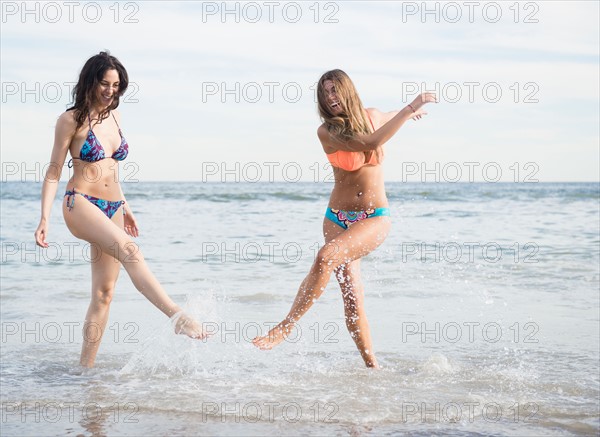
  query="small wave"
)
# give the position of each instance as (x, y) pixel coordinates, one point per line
(439, 364)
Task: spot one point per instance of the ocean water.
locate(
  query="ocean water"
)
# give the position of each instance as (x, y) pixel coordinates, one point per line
(483, 304)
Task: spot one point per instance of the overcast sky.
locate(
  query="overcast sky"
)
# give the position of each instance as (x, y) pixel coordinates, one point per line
(225, 91)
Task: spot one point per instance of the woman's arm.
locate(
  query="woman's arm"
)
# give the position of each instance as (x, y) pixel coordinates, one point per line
(63, 135)
(129, 220)
(384, 133)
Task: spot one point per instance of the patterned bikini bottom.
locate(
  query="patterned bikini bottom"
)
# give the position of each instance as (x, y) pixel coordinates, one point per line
(346, 218)
(108, 207)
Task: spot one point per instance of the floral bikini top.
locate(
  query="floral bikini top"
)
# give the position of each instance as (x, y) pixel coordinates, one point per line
(351, 161)
(92, 150)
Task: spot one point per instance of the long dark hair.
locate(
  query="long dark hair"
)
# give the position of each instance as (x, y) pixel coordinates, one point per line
(351, 121)
(84, 93)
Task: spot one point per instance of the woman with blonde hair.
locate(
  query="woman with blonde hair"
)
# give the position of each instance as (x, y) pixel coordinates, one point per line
(357, 219)
(94, 207)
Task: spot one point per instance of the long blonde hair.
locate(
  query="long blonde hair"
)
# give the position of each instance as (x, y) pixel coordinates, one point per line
(351, 121)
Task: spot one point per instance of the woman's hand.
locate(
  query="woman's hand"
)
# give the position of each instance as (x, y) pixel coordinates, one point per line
(418, 103)
(41, 233)
(423, 98)
(131, 227)
(418, 114)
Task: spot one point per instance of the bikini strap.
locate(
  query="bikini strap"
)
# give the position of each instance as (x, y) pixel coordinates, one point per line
(113, 116)
(372, 125)
(71, 198)
(89, 121)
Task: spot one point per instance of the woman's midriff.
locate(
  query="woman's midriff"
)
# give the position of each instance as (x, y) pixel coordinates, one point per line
(99, 179)
(358, 190)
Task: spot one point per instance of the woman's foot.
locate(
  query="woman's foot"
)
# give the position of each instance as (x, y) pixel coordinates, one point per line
(274, 336)
(184, 324)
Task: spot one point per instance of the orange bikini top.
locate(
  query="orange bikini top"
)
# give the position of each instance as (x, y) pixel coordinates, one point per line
(351, 161)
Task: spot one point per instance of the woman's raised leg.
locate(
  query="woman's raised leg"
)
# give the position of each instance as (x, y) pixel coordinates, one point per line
(87, 222)
(359, 240)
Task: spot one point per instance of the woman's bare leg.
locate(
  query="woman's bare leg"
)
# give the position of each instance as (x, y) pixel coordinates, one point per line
(87, 222)
(105, 271)
(359, 240)
(348, 276)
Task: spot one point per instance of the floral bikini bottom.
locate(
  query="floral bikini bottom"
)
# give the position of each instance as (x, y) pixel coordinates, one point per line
(346, 218)
(108, 207)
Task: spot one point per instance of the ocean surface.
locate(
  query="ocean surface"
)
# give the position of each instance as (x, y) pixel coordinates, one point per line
(483, 304)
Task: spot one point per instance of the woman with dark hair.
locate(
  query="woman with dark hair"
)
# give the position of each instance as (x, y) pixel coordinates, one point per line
(357, 219)
(90, 131)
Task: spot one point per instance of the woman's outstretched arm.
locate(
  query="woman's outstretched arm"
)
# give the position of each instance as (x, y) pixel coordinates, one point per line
(384, 133)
